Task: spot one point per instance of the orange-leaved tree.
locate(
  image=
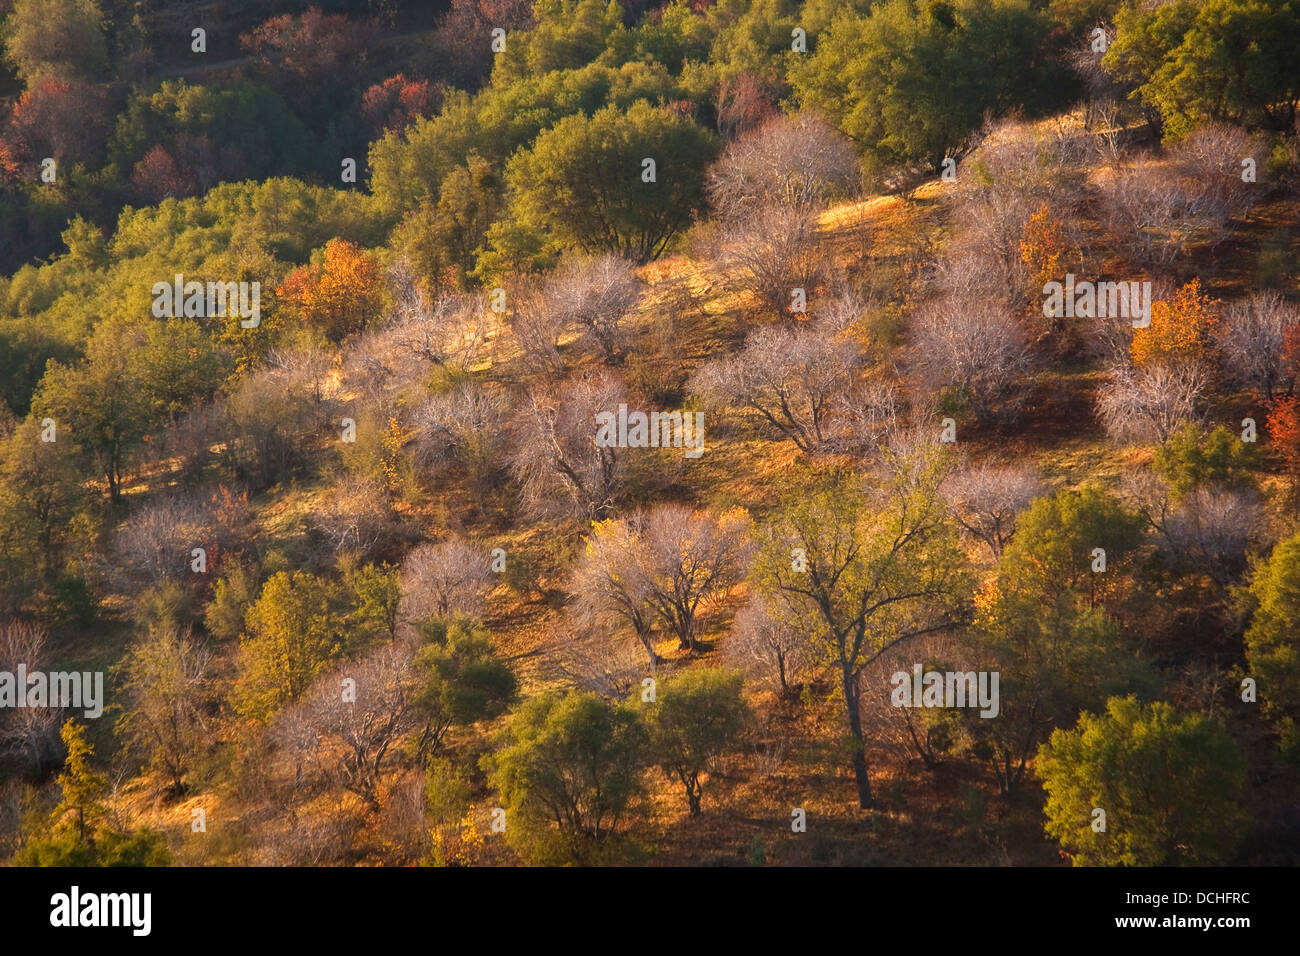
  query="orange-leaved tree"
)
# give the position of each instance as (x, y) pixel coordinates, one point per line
(1284, 429)
(340, 295)
(1042, 249)
(1181, 330)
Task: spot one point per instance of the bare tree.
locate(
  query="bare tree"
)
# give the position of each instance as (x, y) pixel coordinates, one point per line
(1211, 157)
(155, 542)
(1147, 403)
(538, 324)
(557, 459)
(1211, 532)
(465, 424)
(688, 558)
(358, 714)
(793, 378)
(768, 645)
(608, 587)
(772, 253)
(29, 734)
(977, 348)
(800, 161)
(986, 499)
(595, 297)
(1251, 339)
(449, 332)
(1156, 211)
(355, 516)
(449, 578)
(609, 665)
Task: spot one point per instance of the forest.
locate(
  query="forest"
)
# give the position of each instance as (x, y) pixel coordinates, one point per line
(706, 432)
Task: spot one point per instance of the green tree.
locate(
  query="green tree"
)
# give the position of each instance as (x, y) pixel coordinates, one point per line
(862, 572)
(293, 633)
(98, 403)
(463, 680)
(1193, 458)
(568, 768)
(583, 181)
(698, 716)
(909, 81)
(1272, 641)
(61, 38)
(81, 786)
(1229, 60)
(1054, 551)
(1170, 785)
(39, 495)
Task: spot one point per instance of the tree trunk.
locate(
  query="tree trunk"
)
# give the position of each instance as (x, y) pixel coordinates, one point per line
(851, 700)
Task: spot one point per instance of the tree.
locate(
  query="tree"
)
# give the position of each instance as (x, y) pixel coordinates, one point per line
(61, 118)
(799, 161)
(759, 637)
(396, 103)
(1157, 211)
(292, 633)
(986, 500)
(341, 295)
(168, 683)
(1253, 339)
(58, 38)
(883, 77)
(658, 567)
(568, 768)
(773, 252)
(1192, 458)
(1182, 329)
(1225, 60)
(461, 680)
(1148, 403)
(1272, 648)
(82, 788)
(446, 579)
(792, 377)
(464, 36)
(583, 182)
(40, 489)
(608, 586)
(1284, 429)
(699, 716)
(1055, 538)
(305, 57)
(466, 425)
(557, 461)
(689, 557)
(28, 733)
(976, 349)
(444, 240)
(98, 403)
(1170, 784)
(596, 296)
(355, 726)
(863, 571)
